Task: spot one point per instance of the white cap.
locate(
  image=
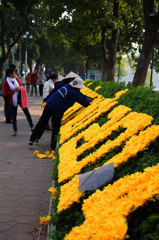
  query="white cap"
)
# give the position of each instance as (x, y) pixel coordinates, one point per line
(77, 83)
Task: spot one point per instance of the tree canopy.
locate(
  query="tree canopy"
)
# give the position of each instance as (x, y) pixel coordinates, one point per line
(72, 36)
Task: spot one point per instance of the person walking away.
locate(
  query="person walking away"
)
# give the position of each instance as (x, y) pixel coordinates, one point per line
(33, 80)
(41, 82)
(17, 95)
(57, 104)
(27, 79)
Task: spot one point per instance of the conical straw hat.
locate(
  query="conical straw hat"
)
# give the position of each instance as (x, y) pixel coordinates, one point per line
(60, 78)
(71, 75)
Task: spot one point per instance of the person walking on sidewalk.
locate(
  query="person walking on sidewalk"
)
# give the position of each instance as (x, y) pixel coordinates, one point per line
(33, 80)
(27, 79)
(17, 95)
(41, 82)
(57, 104)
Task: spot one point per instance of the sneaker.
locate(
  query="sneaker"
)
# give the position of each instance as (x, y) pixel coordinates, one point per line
(37, 140)
(31, 143)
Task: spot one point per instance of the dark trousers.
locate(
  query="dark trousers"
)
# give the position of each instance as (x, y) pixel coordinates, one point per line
(40, 126)
(14, 117)
(33, 85)
(28, 87)
(7, 110)
(41, 89)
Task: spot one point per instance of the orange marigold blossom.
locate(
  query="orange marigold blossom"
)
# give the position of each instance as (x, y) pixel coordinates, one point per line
(44, 220)
(35, 152)
(69, 150)
(53, 192)
(132, 147)
(47, 153)
(78, 106)
(89, 84)
(41, 155)
(43, 105)
(106, 211)
(97, 88)
(89, 112)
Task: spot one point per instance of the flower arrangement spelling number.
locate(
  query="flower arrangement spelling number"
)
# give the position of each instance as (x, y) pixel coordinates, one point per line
(105, 211)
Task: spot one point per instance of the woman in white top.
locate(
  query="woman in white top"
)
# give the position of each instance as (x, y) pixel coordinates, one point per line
(49, 85)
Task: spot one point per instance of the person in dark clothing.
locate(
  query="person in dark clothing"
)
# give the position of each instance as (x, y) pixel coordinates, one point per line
(57, 85)
(57, 104)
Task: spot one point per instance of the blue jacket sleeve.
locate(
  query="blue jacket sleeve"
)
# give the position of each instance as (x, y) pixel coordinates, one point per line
(85, 96)
(81, 100)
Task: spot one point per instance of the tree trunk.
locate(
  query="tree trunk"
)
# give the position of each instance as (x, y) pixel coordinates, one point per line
(103, 55)
(109, 63)
(30, 65)
(150, 41)
(112, 56)
(143, 63)
(38, 61)
(88, 63)
(1, 68)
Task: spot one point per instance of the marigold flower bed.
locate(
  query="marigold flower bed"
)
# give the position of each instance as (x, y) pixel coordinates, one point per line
(83, 143)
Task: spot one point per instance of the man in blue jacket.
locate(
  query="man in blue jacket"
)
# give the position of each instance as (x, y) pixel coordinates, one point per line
(57, 104)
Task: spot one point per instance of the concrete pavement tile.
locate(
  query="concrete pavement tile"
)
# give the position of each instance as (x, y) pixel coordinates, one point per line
(5, 218)
(23, 228)
(9, 197)
(3, 236)
(8, 204)
(4, 227)
(26, 219)
(28, 212)
(11, 235)
(32, 192)
(7, 210)
(31, 198)
(44, 206)
(29, 205)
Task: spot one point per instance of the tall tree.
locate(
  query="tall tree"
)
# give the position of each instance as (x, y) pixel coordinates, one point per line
(151, 39)
(14, 19)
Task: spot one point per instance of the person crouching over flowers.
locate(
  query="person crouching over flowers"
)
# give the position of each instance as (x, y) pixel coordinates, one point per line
(17, 95)
(57, 104)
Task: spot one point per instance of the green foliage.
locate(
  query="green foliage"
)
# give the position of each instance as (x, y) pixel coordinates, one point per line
(144, 222)
(141, 99)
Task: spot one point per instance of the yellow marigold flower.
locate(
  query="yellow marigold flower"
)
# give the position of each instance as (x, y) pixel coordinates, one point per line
(43, 105)
(35, 152)
(44, 220)
(53, 192)
(51, 155)
(47, 153)
(89, 84)
(41, 156)
(97, 88)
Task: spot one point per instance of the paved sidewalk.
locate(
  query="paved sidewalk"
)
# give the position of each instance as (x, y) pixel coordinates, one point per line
(24, 179)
